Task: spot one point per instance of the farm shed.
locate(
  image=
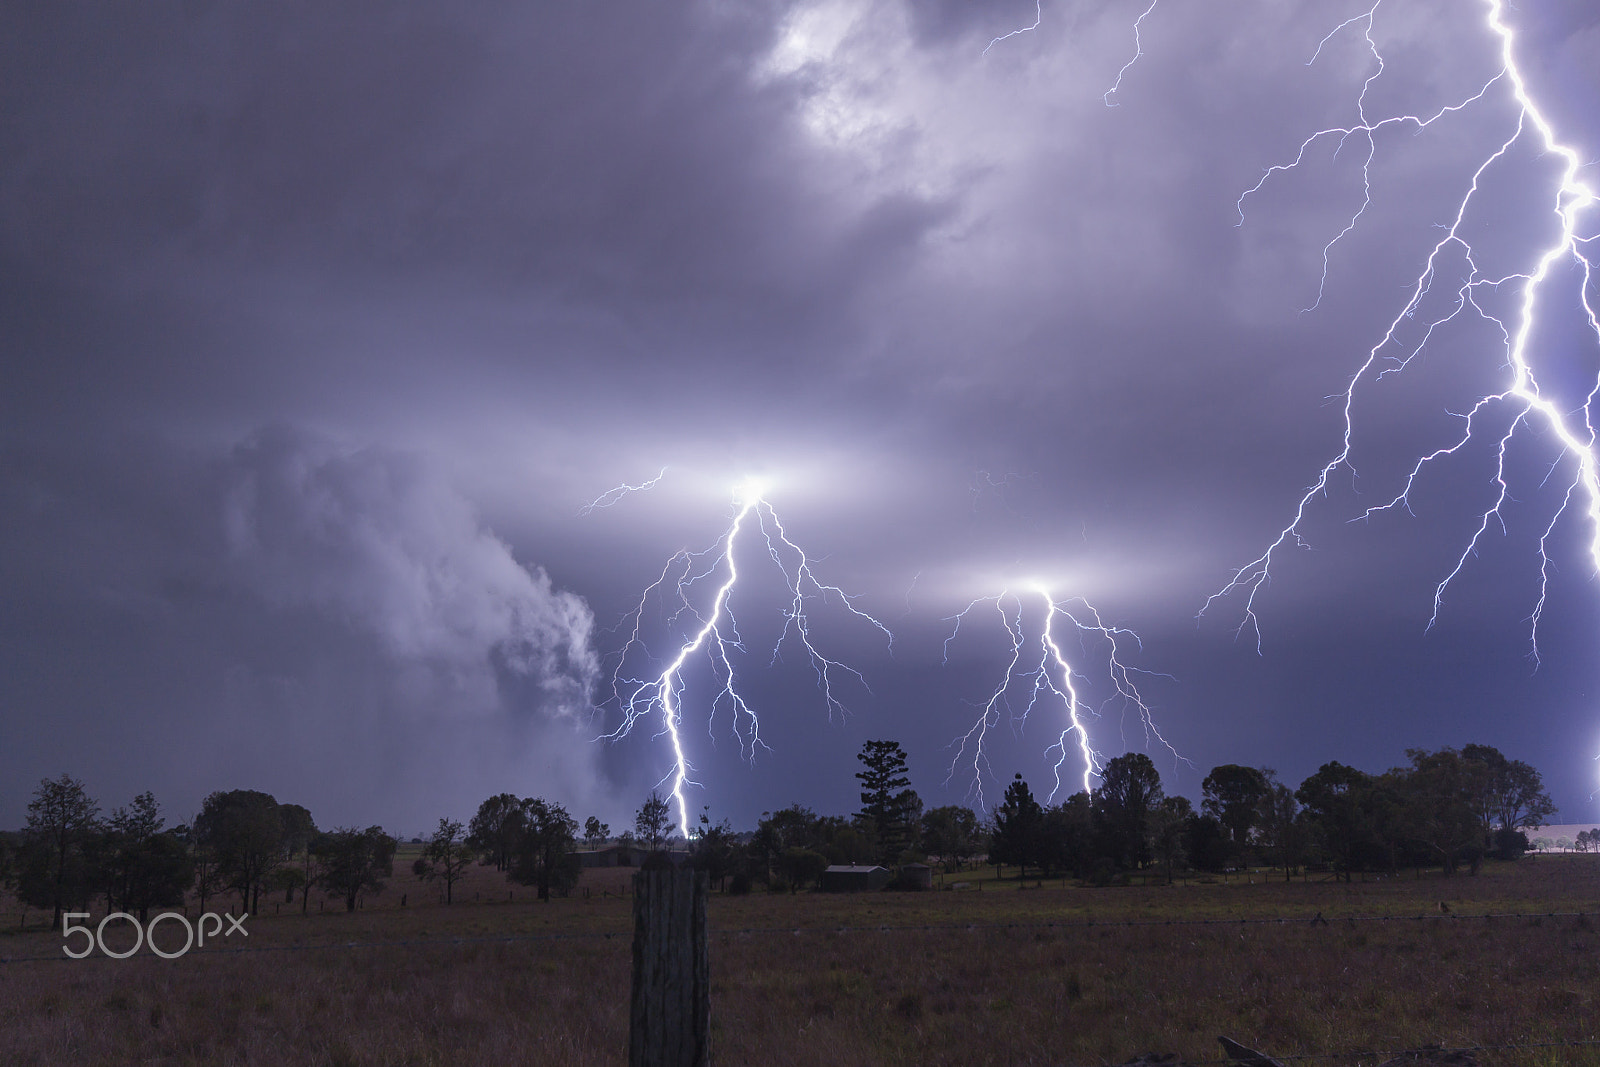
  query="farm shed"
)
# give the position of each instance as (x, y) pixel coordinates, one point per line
(854, 879)
(916, 876)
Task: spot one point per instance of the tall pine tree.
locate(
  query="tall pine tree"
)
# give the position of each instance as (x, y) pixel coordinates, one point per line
(1017, 825)
(889, 806)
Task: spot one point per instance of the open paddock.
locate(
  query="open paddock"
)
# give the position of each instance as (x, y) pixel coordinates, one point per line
(999, 975)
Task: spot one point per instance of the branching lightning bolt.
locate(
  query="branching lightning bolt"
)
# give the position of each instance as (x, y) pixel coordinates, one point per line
(1043, 670)
(611, 496)
(714, 632)
(1522, 401)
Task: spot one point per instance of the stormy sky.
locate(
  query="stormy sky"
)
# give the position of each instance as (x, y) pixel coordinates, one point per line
(320, 324)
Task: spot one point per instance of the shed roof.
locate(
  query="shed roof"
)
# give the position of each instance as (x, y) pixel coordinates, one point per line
(858, 869)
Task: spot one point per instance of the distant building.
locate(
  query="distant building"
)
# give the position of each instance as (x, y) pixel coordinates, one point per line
(855, 879)
(916, 876)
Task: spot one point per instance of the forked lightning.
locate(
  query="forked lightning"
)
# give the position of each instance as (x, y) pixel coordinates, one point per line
(713, 632)
(1521, 408)
(1041, 669)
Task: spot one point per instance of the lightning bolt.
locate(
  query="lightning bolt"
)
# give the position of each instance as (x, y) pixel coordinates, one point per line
(1041, 669)
(1138, 51)
(1038, 17)
(713, 634)
(1452, 265)
(611, 496)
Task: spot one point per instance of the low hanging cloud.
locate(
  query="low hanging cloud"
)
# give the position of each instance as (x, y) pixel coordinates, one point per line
(379, 542)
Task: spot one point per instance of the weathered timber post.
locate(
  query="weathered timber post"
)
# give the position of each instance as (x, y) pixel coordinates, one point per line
(669, 1024)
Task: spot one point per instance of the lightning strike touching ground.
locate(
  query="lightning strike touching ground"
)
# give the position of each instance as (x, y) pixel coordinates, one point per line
(611, 496)
(713, 633)
(1042, 669)
(1452, 265)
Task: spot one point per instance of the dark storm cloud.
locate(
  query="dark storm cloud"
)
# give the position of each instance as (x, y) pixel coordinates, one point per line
(478, 265)
(610, 155)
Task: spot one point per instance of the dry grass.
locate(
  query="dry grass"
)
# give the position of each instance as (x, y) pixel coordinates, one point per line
(962, 989)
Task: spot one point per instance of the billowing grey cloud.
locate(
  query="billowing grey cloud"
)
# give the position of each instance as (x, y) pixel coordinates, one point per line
(318, 620)
(379, 542)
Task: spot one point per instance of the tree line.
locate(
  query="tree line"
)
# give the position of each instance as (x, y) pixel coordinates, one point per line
(534, 841)
(1449, 808)
(241, 843)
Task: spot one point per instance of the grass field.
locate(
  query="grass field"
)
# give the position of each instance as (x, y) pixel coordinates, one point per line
(993, 974)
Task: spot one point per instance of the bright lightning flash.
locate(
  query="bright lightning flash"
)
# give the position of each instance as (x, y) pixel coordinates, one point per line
(1042, 669)
(714, 634)
(1521, 405)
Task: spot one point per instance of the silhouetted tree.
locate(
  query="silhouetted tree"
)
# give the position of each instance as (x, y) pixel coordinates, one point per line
(10, 847)
(445, 857)
(714, 849)
(299, 829)
(1206, 843)
(1511, 798)
(951, 833)
(496, 828)
(1130, 789)
(888, 803)
(1339, 805)
(207, 874)
(851, 842)
(801, 867)
(791, 827)
(595, 832)
(1233, 795)
(1066, 836)
(1017, 822)
(653, 822)
(1165, 827)
(1436, 806)
(53, 870)
(245, 833)
(543, 857)
(1282, 832)
(354, 862)
(144, 867)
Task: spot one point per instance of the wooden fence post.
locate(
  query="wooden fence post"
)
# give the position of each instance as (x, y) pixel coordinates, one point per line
(669, 1024)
